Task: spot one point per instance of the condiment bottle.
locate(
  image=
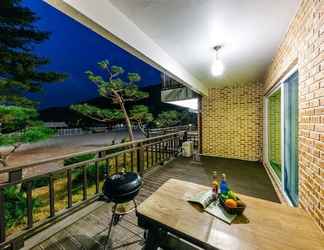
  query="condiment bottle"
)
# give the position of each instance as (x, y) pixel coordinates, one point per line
(223, 184)
(215, 185)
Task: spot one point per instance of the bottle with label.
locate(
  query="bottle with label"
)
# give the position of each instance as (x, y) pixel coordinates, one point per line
(215, 185)
(223, 184)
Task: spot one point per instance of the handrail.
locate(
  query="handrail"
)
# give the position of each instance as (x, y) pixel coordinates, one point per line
(67, 167)
(91, 151)
(180, 128)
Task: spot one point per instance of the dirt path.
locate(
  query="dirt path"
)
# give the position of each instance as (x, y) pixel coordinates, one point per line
(61, 146)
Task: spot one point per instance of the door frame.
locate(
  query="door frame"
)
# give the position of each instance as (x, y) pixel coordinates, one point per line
(278, 86)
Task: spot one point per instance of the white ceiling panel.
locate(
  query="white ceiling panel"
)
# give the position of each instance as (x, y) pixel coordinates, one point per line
(187, 30)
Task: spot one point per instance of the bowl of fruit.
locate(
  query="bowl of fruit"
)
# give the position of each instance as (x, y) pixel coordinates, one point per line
(232, 203)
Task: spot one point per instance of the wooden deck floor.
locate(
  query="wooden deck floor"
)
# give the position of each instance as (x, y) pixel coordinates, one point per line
(89, 232)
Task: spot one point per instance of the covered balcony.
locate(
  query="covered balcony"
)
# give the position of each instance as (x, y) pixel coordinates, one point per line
(253, 73)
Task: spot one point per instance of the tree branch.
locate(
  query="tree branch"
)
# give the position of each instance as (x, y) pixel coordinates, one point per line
(3, 162)
(96, 118)
(4, 157)
(141, 127)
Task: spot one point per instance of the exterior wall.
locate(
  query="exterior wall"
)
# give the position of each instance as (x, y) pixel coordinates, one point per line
(232, 122)
(304, 45)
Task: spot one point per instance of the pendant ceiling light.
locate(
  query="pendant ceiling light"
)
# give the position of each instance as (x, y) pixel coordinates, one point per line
(217, 68)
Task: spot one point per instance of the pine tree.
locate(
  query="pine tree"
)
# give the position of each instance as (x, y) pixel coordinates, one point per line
(168, 119)
(19, 75)
(141, 115)
(19, 66)
(19, 126)
(112, 86)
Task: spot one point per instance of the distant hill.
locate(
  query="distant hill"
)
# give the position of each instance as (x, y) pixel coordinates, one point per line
(60, 114)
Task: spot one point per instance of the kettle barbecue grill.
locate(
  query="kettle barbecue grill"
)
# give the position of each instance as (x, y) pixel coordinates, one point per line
(121, 188)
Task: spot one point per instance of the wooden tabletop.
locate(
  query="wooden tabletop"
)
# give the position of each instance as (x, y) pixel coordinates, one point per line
(264, 225)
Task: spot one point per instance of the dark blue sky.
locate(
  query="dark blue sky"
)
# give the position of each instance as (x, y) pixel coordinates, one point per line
(73, 49)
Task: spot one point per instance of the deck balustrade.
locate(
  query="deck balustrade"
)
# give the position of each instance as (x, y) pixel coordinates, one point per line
(138, 156)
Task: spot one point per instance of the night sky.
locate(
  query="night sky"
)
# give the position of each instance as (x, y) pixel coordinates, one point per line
(73, 49)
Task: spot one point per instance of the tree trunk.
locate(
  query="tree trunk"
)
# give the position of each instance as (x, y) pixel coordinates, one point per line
(127, 120)
(128, 123)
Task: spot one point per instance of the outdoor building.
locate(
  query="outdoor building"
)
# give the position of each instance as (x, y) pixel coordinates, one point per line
(251, 73)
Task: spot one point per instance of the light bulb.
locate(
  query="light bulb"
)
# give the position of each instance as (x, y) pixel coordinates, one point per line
(217, 68)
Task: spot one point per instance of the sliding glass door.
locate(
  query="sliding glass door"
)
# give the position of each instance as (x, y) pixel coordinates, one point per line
(291, 137)
(281, 133)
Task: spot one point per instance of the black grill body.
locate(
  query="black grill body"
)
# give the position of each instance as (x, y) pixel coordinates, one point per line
(122, 187)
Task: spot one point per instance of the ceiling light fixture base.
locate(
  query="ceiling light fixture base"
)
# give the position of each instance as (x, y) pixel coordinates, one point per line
(217, 47)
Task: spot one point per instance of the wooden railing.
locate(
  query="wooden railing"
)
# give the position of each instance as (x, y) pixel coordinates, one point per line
(193, 136)
(162, 131)
(139, 156)
(190, 132)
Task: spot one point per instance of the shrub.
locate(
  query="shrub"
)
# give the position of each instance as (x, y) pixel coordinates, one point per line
(80, 158)
(91, 170)
(16, 206)
(91, 175)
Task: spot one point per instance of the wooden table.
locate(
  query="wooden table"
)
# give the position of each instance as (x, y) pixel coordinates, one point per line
(264, 225)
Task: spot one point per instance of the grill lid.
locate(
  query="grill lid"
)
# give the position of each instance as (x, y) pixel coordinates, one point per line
(122, 186)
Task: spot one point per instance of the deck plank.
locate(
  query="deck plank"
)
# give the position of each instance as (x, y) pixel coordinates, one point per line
(90, 231)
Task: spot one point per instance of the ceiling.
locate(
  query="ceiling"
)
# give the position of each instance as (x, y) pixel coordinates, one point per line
(187, 30)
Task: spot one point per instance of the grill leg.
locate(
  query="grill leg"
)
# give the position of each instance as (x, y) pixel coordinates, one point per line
(108, 244)
(113, 221)
(135, 205)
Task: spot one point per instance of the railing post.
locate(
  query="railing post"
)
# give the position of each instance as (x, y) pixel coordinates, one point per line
(163, 151)
(15, 175)
(85, 183)
(147, 156)
(185, 136)
(132, 160)
(140, 159)
(69, 187)
(156, 155)
(97, 177)
(51, 195)
(116, 164)
(29, 204)
(159, 145)
(173, 145)
(125, 162)
(179, 145)
(2, 217)
(152, 156)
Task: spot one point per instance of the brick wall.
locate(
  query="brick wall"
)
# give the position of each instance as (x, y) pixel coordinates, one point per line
(304, 45)
(274, 128)
(232, 122)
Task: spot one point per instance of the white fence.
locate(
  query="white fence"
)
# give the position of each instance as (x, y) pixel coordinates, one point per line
(80, 131)
(69, 131)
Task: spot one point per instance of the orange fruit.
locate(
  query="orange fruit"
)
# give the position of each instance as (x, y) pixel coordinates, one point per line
(231, 203)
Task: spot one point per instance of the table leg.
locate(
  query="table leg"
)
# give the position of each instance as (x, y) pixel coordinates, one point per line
(152, 239)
